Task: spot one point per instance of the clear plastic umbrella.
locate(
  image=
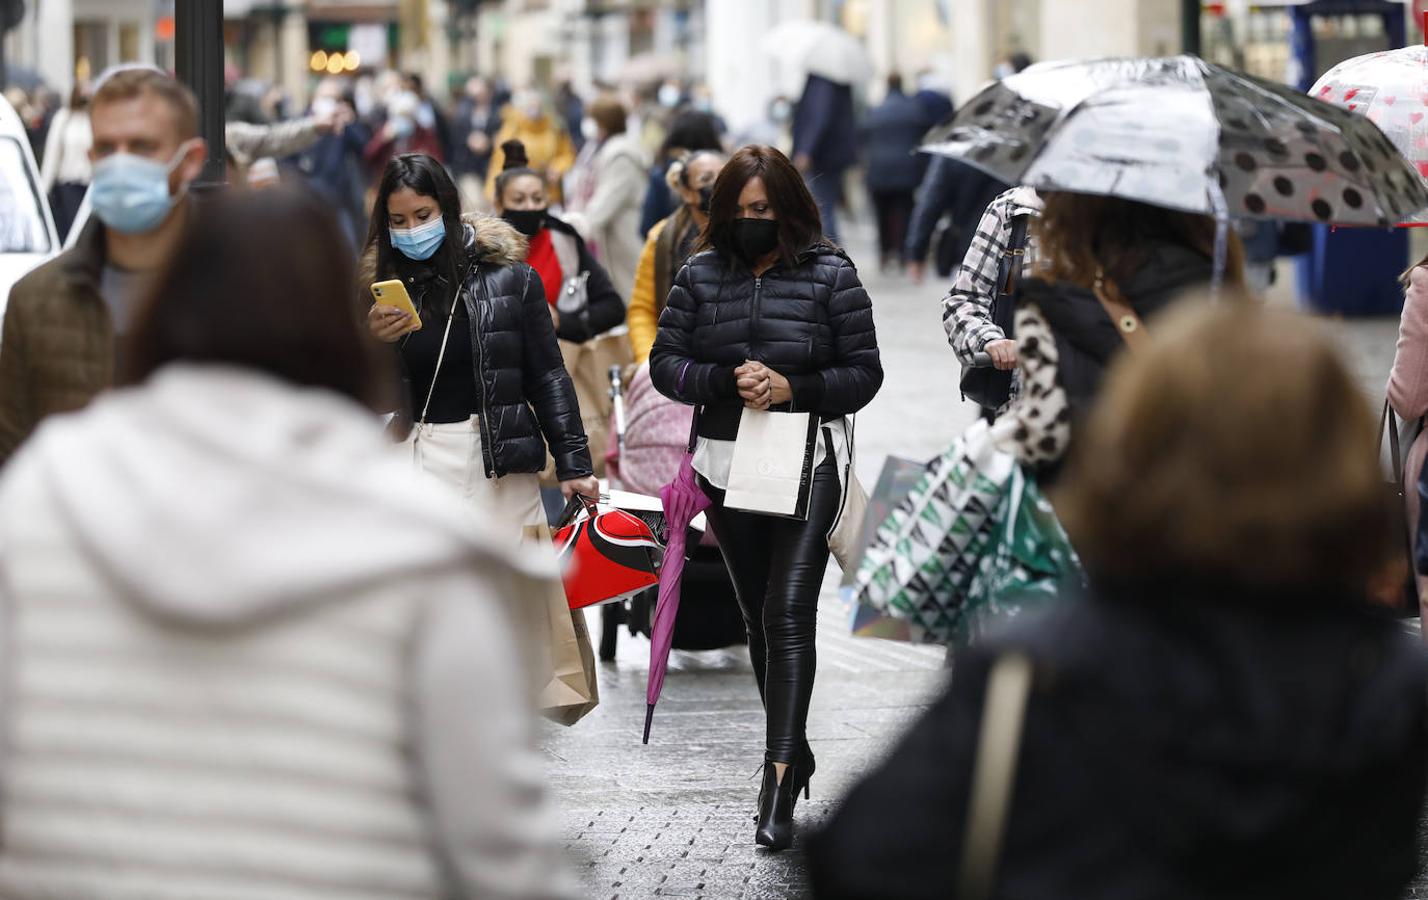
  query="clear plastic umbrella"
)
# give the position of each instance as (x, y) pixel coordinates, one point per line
(1186, 134)
(1390, 89)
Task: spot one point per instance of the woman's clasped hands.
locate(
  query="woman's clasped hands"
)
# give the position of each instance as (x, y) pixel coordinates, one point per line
(761, 387)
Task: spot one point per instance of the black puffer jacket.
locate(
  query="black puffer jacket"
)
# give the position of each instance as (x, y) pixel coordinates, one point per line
(1181, 744)
(526, 397)
(812, 323)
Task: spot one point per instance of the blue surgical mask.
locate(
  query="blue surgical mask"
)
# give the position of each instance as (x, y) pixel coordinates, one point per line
(131, 193)
(420, 242)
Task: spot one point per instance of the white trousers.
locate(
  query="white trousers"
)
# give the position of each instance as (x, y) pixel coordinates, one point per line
(451, 453)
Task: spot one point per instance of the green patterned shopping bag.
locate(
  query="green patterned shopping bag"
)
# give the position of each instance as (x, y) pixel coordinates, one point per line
(974, 541)
(1028, 563)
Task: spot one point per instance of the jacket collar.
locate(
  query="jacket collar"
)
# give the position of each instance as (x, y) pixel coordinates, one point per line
(820, 247)
(1025, 201)
(493, 241)
(84, 262)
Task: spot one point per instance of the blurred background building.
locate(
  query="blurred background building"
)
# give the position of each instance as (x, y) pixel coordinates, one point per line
(590, 42)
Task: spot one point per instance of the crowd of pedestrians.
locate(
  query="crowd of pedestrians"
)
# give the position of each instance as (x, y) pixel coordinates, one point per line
(272, 526)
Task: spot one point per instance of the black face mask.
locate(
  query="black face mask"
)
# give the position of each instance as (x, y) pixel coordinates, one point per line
(706, 196)
(528, 222)
(753, 239)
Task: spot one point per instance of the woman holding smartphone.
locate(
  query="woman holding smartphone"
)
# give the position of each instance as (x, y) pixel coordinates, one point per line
(769, 315)
(485, 385)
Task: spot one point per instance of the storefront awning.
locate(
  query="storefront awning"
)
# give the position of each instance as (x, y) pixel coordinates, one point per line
(352, 10)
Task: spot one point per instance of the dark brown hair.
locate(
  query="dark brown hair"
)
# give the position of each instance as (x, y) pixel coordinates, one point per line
(262, 280)
(426, 178)
(128, 84)
(1235, 451)
(609, 113)
(1077, 234)
(799, 224)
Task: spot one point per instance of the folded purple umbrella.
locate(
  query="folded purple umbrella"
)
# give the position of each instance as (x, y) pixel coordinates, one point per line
(682, 500)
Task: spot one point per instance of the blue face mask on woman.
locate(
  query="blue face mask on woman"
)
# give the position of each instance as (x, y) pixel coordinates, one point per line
(131, 193)
(420, 242)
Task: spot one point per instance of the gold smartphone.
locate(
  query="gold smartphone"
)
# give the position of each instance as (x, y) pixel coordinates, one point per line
(394, 293)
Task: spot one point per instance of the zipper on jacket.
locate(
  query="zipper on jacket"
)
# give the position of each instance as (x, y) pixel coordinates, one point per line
(754, 315)
(488, 457)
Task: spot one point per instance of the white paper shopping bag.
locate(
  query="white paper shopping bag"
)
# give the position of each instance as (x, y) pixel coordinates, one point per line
(772, 471)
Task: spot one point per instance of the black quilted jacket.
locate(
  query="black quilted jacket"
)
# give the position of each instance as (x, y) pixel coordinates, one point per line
(527, 397)
(812, 323)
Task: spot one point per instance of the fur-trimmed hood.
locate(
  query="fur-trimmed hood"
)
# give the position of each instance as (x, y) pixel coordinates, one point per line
(489, 239)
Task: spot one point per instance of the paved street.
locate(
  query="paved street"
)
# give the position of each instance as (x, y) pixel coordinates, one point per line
(674, 818)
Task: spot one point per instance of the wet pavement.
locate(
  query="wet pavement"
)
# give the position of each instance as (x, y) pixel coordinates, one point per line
(675, 818)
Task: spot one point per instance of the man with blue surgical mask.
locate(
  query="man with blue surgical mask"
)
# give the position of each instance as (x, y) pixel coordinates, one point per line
(66, 321)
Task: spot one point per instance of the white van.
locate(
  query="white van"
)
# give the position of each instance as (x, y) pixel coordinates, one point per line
(27, 230)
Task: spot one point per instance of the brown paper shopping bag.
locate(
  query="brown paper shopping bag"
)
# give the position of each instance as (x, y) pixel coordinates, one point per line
(570, 688)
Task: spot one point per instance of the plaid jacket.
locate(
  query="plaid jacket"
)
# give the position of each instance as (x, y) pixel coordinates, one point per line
(967, 308)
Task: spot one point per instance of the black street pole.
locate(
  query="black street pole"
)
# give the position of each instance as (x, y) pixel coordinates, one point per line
(1190, 26)
(198, 57)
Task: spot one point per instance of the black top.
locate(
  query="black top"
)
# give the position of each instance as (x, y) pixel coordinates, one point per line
(454, 398)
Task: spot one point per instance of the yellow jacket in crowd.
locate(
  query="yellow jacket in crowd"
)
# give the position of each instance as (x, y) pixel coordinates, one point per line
(547, 145)
(643, 315)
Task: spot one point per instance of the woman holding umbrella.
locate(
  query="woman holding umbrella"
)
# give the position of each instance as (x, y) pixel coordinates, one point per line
(769, 315)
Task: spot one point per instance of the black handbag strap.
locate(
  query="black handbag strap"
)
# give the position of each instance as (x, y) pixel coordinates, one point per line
(1386, 421)
(573, 506)
(1013, 258)
(1009, 272)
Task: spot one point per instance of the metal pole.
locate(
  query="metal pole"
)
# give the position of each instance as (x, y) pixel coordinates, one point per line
(1190, 26)
(198, 57)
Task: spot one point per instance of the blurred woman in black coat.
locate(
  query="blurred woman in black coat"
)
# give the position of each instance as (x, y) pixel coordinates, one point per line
(1226, 714)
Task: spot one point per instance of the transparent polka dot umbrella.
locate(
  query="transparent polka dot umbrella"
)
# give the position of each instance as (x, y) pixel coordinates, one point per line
(1186, 134)
(1390, 89)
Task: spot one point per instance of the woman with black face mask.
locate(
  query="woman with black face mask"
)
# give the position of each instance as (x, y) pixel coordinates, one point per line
(770, 315)
(690, 179)
(583, 301)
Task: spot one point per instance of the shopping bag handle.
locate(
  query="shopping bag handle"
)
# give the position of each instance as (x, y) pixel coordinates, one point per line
(573, 506)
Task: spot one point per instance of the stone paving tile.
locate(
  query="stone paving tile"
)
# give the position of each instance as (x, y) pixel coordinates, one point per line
(675, 818)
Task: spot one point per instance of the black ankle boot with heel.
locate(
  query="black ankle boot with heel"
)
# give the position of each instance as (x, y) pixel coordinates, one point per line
(776, 802)
(806, 767)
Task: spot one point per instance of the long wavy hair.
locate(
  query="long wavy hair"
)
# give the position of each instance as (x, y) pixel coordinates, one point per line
(428, 178)
(1080, 234)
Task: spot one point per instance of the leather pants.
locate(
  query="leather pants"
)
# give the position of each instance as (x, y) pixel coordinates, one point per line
(777, 566)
